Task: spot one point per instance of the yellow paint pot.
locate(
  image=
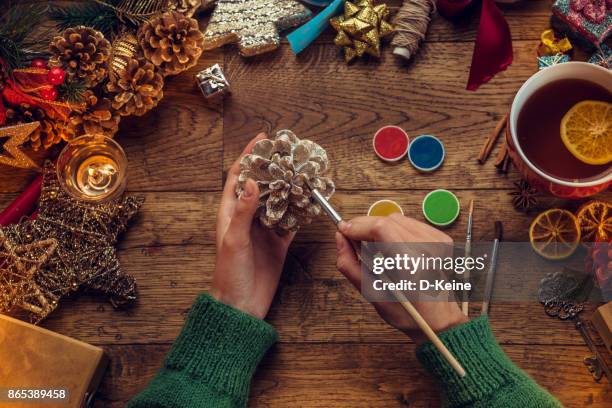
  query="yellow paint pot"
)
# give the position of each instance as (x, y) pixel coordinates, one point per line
(384, 208)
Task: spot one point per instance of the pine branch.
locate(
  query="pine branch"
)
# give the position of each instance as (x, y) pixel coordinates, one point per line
(90, 14)
(20, 37)
(72, 91)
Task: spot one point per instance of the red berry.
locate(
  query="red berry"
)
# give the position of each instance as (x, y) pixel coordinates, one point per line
(56, 76)
(38, 63)
(48, 94)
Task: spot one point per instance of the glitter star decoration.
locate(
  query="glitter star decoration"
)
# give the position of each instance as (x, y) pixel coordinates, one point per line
(86, 234)
(18, 265)
(361, 28)
(253, 24)
(17, 136)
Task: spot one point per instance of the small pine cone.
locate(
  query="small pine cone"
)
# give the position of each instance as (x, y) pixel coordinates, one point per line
(185, 7)
(83, 53)
(96, 117)
(46, 135)
(136, 89)
(171, 41)
(285, 169)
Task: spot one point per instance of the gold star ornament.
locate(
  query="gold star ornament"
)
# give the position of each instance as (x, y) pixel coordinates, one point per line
(253, 24)
(361, 28)
(17, 136)
(86, 234)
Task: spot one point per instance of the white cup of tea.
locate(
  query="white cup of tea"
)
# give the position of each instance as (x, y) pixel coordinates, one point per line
(539, 177)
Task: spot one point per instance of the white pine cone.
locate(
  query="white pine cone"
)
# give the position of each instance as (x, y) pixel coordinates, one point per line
(283, 169)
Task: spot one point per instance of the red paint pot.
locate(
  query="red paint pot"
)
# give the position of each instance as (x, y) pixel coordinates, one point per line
(391, 143)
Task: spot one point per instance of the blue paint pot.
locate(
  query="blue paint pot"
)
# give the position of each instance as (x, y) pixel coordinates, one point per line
(426, 153)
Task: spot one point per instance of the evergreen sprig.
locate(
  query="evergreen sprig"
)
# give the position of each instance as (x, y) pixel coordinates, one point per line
(72, 91)
(20, 35)
(89, 14)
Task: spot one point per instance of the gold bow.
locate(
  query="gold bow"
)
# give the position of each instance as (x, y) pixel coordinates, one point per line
(361, 28)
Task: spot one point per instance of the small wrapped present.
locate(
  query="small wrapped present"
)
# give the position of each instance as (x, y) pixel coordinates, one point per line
(212, 82)
(590, 20)
(602, 57)
(550, 60)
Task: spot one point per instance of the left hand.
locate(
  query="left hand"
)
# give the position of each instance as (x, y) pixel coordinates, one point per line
(250, 256)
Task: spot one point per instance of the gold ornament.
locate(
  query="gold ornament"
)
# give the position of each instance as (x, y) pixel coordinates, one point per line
(284, 168)
(18, 135)
(171, 41)
(361, 28)
(123, 49)
(19, 265)
(86, 234)
(253, 24)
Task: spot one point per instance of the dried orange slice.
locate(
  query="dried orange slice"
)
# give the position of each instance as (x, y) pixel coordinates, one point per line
(595, 221)
(586, 131)
(554, 234)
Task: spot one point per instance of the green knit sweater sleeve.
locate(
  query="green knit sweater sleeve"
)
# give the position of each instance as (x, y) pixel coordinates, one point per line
(212, 361)
(492, 380)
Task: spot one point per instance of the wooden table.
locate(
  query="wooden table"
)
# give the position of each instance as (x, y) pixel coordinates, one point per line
(334, 350)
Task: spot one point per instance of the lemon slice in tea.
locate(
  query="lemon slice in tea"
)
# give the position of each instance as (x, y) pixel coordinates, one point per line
(554, 234)
(586, 131)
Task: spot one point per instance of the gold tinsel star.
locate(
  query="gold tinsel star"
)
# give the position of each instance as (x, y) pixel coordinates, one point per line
(86, 234)
(253, 24)
(18, 265)
(17, 136)
(361, 28)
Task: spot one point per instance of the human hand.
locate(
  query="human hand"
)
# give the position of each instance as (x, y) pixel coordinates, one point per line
(396, 228)
(250, 256)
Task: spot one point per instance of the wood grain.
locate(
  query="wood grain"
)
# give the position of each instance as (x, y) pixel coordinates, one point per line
(314, 304)
(357, 375)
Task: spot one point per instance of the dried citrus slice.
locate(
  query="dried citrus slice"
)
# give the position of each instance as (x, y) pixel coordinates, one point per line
(595, 221)
(586, 131)
(554, 234)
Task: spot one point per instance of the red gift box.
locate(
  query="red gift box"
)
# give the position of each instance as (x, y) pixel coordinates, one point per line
(590, 20)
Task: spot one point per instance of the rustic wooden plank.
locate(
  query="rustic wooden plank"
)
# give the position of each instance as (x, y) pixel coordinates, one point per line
(348, 375)
(340, 107)
(315, 304)
(169, 218)
(176, 146)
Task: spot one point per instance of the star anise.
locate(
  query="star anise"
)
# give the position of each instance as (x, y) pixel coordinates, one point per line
(524, 197)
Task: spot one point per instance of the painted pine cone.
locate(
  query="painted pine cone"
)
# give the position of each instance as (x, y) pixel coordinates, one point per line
(283, 169)
(171, 41)
(82, 53)
(185, 7)
(46, 135)
(96, 117)
(136, 89)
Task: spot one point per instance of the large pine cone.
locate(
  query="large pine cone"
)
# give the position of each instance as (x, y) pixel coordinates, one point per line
(283, 169)
(171, 41)
(95, 117)
(83, 53)
(136, 89)
(46, 135)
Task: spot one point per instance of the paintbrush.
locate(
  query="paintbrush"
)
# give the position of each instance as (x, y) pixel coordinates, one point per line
(468, 252)
(499, 232)
(401, 298)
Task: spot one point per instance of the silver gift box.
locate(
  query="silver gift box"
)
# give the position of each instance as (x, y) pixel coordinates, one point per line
(212, 82)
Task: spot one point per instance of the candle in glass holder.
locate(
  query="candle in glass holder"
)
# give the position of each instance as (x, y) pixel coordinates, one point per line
(92, 168)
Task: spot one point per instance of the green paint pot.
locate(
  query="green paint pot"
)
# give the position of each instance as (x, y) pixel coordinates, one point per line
(441, 207)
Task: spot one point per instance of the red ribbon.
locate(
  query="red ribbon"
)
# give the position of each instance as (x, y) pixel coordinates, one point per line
(493, 49)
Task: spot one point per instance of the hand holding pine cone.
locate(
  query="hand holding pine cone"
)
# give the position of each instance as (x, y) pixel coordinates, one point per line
(136, 89)
(82, 53)
(171, 41)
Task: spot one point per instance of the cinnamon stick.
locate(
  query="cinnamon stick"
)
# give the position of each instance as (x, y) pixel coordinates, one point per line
(490, 142)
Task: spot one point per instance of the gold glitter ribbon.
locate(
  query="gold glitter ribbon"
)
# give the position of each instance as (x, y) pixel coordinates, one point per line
(28, 91)
(551, 45)
(361, 28)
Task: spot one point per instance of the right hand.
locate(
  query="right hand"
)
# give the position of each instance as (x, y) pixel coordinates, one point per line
(396, 228)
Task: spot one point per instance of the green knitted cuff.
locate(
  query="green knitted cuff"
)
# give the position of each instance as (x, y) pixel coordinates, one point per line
(490, 375)
(221, 346)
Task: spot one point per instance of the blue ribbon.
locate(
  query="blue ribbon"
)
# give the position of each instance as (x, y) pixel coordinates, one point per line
(306, 34)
